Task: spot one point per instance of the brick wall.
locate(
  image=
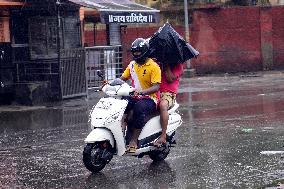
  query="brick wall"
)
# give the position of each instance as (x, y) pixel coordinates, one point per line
(101, 38)
(239, 39)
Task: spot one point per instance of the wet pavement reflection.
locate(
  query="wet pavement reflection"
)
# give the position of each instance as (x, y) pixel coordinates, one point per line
(232, 137)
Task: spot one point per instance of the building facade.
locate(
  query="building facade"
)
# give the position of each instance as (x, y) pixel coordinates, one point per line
(38, 41)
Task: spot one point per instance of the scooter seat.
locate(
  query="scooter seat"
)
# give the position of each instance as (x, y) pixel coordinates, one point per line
(156, 113)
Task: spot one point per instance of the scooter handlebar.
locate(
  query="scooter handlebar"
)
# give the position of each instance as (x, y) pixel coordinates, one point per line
(133, 94)
(118, 90)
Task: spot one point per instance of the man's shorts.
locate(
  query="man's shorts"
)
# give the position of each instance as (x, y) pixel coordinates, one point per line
(170, 97)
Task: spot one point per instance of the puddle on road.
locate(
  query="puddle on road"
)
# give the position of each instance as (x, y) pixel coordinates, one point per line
(200, 105)
(184, 97)
(228, 103)
(42, 118)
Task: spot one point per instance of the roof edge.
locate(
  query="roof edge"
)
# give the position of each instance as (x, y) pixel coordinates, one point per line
(117, 10)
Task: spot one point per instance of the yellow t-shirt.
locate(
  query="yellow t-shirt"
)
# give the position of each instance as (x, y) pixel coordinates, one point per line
(144, 76)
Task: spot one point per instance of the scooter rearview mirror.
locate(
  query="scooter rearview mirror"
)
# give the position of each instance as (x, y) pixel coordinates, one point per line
(100, 74)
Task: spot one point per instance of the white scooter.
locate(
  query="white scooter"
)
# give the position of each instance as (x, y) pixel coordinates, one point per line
(108, 138)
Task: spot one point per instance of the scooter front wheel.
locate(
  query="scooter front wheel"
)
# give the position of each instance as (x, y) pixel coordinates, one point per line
(94, 157)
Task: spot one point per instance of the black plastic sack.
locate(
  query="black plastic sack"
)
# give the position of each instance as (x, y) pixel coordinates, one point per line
(168, 47)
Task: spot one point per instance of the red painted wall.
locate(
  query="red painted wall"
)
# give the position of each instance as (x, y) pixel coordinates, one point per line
(228, 40)
(238, 39)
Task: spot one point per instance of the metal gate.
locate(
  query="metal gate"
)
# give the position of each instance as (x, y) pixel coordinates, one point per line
(107, 59)
(73, 73)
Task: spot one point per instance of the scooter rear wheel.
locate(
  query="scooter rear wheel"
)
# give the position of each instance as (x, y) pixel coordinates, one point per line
(92, 158)
(160, 154)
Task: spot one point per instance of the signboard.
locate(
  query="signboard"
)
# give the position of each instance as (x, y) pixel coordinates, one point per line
(129, 17)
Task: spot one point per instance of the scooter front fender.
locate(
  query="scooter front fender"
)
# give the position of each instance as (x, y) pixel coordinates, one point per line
(100, 134)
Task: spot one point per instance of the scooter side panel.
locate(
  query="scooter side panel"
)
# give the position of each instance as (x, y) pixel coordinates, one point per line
(174, 122)
(116, 130)
(153, 125)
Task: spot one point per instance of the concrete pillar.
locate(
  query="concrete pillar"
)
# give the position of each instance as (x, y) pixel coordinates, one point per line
(266, 37)
(114, 37)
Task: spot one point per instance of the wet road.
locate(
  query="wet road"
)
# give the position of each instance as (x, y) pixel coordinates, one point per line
(232, 137)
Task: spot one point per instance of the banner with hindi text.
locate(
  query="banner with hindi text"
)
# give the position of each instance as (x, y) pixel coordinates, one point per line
(129, 17)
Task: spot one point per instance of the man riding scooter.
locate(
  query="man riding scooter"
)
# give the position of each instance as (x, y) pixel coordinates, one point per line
(107, 137)
(145, 75)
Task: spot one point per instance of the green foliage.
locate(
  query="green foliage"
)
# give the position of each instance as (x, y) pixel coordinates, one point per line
(263, 2)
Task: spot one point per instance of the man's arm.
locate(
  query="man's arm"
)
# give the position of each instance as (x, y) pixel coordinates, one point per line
(151, 90)
(123, 78)
(126, 74)
(170, 77)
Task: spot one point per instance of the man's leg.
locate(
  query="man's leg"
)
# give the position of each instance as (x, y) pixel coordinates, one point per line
(134, 138)
(124, 123)
(141, 110)
(126, 118)
(164, 117)
(166, 102)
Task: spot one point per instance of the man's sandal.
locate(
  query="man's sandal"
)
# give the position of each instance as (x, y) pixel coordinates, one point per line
(131, 149)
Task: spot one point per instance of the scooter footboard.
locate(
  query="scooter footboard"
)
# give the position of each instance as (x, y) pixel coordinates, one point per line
(100, 134)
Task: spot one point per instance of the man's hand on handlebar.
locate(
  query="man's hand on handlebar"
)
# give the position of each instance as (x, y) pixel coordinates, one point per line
(137, 92)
